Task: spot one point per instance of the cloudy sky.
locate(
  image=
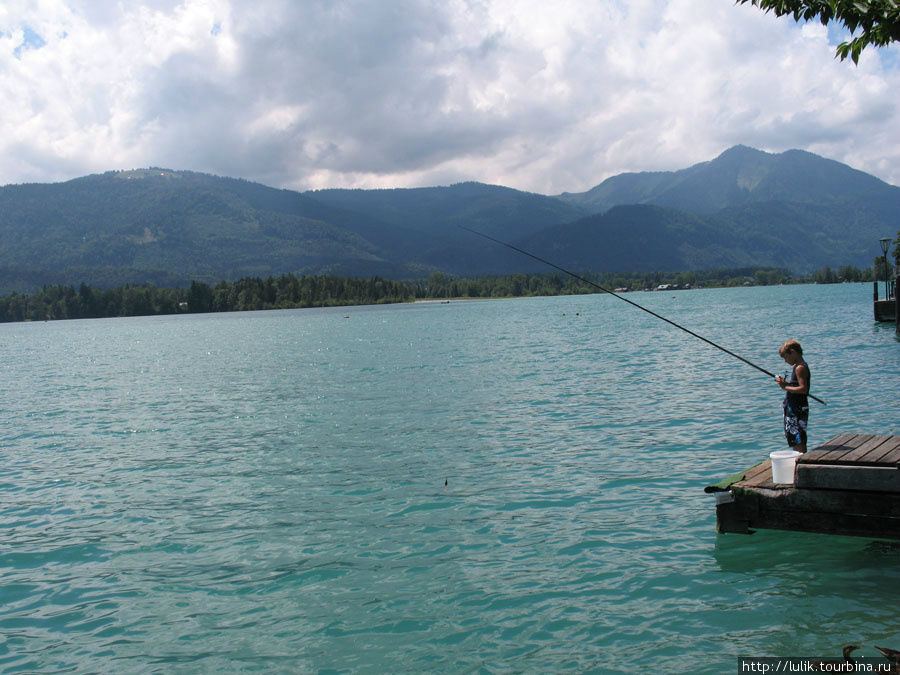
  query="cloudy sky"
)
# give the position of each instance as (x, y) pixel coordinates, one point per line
(536, 95)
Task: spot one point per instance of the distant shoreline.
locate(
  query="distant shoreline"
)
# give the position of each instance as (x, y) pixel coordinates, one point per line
(65, 301)
(447, 301)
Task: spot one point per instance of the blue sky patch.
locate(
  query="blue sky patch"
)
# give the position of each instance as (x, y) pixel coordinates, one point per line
(32, 41)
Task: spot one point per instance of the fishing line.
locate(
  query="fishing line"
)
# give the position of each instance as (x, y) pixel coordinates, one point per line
(634, 304)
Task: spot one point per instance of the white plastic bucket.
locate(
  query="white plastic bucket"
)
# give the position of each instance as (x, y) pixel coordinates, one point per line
(783, 462)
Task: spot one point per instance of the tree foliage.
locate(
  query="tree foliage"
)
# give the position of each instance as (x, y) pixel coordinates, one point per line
(289, 291)
(878, 21)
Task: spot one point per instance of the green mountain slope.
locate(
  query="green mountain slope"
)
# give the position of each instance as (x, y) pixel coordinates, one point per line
(793, 209)
(142, 225)
(737, 177)
(493, 209)
(745, 208)
(647, 238)
(436, 214)
(169, 227)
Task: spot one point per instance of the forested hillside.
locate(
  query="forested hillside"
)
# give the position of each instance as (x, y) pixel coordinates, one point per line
(168, 228)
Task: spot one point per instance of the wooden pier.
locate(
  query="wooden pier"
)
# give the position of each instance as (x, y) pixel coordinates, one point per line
(885, 309)
(848, 486)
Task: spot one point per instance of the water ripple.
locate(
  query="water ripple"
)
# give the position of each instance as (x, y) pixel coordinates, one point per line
(489, 486)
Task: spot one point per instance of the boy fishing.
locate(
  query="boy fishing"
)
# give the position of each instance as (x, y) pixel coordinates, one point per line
(796, 392)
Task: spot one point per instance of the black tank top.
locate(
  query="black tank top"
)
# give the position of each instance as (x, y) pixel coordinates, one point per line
(797, 402)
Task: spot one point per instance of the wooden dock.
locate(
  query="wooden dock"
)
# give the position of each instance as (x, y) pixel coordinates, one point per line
(848, 486)
(886, 308)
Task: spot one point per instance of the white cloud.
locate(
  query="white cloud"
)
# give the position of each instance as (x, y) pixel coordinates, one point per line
(535, 95)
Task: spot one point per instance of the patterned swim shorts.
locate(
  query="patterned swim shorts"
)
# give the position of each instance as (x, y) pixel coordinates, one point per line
(795, 427)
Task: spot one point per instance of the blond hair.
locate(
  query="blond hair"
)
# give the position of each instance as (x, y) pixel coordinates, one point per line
(790, 346)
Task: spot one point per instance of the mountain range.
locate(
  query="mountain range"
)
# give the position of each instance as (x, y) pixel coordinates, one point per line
(744, 208)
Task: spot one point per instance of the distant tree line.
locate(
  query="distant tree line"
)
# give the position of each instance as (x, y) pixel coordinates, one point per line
(289, 291)
(515, 285)
(285, 292)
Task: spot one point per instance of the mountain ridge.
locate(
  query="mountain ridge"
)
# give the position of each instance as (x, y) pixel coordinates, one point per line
(743, 208)
(739, 175)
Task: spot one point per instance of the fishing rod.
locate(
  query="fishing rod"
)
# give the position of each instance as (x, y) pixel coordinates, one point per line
(634, 304)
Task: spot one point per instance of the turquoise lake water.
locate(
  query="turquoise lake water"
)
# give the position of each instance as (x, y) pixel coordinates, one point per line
(265, 492)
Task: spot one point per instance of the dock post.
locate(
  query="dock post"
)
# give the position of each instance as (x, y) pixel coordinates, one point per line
(875, 300)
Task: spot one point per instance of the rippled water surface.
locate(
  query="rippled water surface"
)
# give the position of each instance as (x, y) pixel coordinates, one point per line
(489, 486)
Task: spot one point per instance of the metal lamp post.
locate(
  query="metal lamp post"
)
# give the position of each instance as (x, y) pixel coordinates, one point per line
(885, 244)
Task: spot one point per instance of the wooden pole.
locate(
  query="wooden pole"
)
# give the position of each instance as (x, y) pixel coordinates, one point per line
(875, 299)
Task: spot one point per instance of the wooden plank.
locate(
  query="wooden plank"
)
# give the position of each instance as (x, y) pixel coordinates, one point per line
(826, 501)
(849, 525)
(726, 483)
(766, 481)
(838, 443)
(861, 448)
(872, 513)
(761, 473)
(893, 457)
(880, 446)
(839, 440)
(754, 472)
(834, 451)
(844, 477)
(865, 514)
(847, 446)
(858, 442)
(869, 441)
(760, 468)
